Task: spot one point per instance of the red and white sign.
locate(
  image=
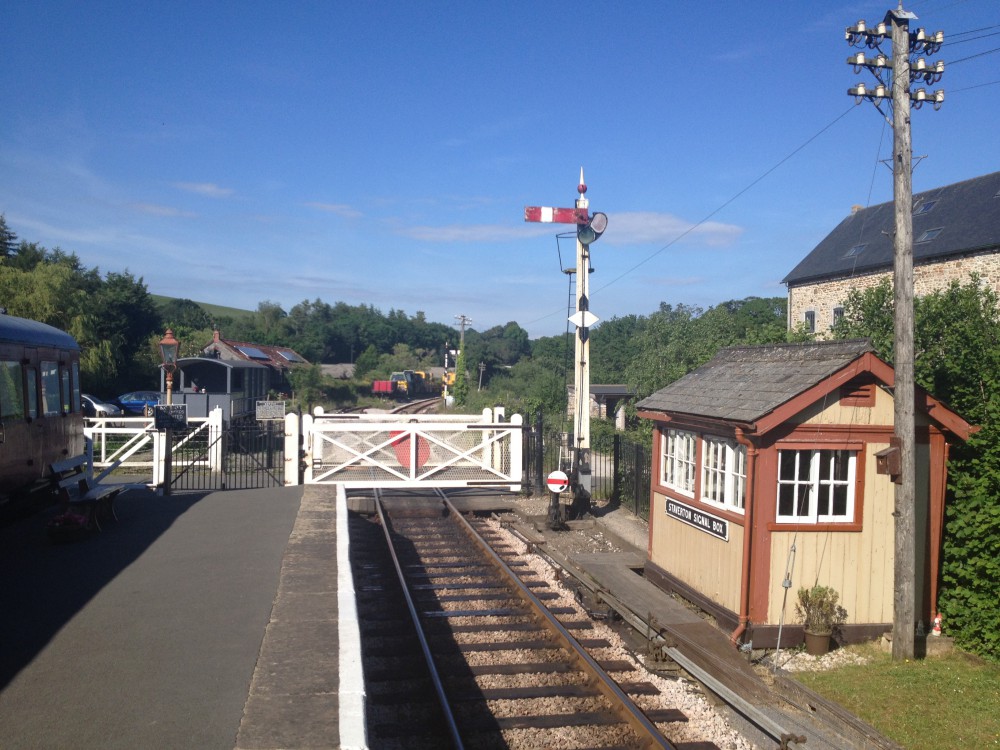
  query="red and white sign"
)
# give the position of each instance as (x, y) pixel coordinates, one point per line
(549, 215)
(557, 481)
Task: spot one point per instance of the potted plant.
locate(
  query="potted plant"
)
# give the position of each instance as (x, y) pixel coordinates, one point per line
(820, 612)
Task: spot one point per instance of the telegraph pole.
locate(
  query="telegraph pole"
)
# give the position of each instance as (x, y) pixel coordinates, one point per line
(896, 25)
(462, 323)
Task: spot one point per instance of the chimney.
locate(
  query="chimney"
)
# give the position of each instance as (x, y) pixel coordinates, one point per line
(854, 209)
(216, 336)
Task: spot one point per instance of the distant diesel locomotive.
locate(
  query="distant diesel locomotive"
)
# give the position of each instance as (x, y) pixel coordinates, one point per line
(41, 419)
(406, 384)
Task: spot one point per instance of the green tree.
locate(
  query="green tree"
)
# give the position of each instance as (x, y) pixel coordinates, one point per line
(367, 362)
(461, 391)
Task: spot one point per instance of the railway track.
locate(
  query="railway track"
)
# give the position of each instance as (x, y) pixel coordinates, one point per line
(460, 650)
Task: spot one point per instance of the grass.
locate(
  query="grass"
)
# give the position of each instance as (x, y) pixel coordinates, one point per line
(216, 311)
(937, 703)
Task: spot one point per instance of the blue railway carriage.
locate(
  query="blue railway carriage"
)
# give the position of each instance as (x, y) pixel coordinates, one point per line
(41, 419)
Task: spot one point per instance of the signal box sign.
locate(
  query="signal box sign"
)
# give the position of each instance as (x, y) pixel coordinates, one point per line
(170, 416)
(717, 527)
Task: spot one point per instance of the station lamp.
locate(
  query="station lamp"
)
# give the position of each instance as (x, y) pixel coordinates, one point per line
(168, 353)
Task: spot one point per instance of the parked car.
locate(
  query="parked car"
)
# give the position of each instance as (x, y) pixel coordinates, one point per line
(94, 408)
(138, 402)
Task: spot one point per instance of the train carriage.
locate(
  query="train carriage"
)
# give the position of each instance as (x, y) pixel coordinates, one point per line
(41, 419)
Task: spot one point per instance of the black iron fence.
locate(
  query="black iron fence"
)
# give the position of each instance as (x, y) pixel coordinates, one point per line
(620, 468)
(242, 456)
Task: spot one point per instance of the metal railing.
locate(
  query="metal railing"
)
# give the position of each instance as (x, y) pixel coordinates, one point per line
(619, 474)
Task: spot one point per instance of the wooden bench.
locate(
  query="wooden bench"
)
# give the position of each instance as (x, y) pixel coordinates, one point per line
(81, 496)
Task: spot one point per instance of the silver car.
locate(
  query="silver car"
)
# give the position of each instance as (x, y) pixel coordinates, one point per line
(94, 408)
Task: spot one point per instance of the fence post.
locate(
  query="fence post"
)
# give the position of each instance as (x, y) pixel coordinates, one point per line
(539, 456)
(616, 482)
(291, 449)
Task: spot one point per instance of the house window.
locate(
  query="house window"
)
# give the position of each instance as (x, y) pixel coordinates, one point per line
(816, 486)
(723, 473)
(856, 250)
(930, 234)
(810, 319)
(679, 461)
(924, 207)
(838, 314)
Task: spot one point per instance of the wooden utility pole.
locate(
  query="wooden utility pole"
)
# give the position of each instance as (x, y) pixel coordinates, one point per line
(903, 395)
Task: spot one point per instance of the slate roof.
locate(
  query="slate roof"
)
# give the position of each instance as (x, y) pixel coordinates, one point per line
(743, 384)
(275, 357)
(967, 213)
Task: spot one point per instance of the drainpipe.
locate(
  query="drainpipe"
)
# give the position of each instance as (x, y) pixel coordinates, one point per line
(751, 501)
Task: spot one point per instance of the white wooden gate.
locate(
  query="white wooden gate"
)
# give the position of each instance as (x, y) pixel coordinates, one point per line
(413, 450)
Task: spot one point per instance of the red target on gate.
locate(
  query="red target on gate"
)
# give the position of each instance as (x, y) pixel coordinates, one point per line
(401, 445)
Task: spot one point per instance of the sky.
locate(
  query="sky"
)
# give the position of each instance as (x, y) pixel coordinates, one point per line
(383, 153)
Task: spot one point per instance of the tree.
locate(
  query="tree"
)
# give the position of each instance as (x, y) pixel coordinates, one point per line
(461, 391)
(8, 240)
(366, 362)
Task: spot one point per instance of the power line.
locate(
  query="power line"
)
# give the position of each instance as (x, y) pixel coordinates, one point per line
(690, 229)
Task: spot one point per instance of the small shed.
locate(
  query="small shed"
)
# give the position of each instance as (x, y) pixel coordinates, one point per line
(765, 469)
(204, 383)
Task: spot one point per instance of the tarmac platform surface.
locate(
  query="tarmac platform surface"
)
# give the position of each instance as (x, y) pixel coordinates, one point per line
(145, 635)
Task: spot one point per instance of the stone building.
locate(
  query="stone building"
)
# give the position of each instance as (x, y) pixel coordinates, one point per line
(956, 232)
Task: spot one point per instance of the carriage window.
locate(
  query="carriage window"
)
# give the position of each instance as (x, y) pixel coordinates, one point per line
(11, 396)
(31, 377)
(50, 388)
(64, 387)
(77, 407)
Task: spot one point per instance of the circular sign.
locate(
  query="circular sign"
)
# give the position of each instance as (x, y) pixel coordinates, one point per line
(557, 481)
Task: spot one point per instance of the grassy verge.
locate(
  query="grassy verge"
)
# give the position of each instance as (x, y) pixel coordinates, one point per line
(941, 702)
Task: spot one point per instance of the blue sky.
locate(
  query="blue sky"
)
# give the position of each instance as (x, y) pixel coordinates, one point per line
(383, 153)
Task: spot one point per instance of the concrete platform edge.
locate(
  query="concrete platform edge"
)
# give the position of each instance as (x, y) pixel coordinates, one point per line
(353, 731)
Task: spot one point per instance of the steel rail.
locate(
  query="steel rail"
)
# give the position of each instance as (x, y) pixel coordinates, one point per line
(622, 704)
(424, 645)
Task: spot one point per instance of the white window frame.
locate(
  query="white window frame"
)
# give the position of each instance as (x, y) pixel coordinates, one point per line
(678, 460)
(723, 473)
(816, 481)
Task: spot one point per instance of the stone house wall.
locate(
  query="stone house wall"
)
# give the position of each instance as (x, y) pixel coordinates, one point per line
(822, 298)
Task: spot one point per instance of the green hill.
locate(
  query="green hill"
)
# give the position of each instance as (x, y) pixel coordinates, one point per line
(214, 311)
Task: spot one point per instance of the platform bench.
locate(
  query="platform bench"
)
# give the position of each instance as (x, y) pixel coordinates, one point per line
(84, 501)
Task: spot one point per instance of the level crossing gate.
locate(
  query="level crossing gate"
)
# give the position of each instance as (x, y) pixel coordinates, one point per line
(413, 450)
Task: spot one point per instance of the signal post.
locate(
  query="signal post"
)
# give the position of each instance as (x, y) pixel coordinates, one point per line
(588, 230)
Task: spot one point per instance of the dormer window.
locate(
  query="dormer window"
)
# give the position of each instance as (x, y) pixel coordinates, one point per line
(929, 234)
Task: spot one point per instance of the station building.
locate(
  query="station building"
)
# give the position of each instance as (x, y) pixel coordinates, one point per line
(767, 468)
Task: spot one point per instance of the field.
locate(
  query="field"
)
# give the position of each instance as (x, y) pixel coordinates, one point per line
(215, 311)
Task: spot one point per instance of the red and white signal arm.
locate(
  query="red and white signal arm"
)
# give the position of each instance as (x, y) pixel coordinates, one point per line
(557, 481)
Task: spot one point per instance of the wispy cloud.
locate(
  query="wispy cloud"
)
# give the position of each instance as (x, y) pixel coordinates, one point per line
(156, 210)
(340, 209)
(474, 232)
(651, 228)
(209, 189)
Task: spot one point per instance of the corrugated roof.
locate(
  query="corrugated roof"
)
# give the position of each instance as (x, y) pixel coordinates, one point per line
(967, 213)
(742, 384)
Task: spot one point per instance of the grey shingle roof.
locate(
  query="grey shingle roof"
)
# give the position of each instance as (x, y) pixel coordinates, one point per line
(968, 214)
(743, 384)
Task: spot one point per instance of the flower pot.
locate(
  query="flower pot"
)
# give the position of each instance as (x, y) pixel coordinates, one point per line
(817, 644)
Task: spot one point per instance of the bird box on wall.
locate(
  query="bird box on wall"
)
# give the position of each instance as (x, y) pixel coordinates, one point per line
(889, 462)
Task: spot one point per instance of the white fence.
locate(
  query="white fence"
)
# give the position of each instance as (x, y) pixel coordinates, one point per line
(134, 447)
(355, 450)
(413, 450)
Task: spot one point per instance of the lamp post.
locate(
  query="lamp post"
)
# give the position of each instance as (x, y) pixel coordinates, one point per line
(168, 352)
